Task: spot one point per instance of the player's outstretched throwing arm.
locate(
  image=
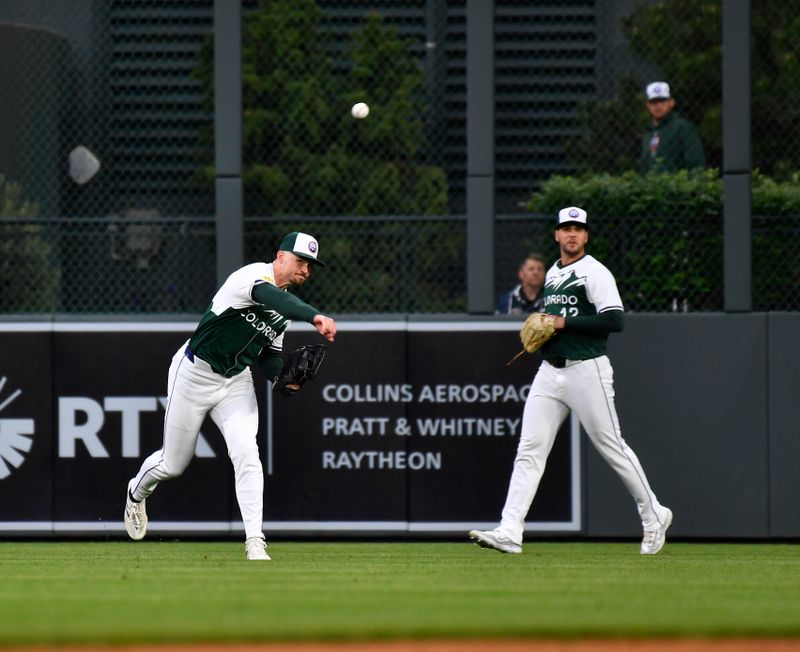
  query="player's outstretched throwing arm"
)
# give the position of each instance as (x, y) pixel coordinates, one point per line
(289, 374)
(295, 309)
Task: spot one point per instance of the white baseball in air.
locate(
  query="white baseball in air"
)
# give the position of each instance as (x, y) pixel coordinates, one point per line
(360, 110)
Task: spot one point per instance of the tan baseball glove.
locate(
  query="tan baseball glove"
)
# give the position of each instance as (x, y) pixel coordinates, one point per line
(537, 329)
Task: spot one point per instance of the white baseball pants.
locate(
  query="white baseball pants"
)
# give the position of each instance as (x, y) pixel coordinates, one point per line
(587, 388)
(194, 391)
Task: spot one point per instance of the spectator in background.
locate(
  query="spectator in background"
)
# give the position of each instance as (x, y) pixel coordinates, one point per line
(670, 143)
(527, 297)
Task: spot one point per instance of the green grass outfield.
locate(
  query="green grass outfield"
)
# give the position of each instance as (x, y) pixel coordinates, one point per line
(125, 592)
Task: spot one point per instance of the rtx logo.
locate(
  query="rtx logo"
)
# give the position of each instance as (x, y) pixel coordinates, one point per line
(16, 435)
(81, 423)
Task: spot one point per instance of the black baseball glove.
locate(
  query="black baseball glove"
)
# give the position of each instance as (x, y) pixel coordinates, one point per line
(300, 366)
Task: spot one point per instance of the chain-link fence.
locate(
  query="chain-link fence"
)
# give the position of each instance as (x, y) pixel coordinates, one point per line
(106, 84)
(378, 264)
(138, 264)
(108, 148)
(130, 265)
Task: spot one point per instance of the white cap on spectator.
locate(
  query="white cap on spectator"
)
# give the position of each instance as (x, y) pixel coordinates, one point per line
(658, 91)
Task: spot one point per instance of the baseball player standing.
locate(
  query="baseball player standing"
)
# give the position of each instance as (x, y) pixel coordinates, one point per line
(581, 296)
(210, 374)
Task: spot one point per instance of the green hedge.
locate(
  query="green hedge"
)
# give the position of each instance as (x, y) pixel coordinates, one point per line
(631, 194)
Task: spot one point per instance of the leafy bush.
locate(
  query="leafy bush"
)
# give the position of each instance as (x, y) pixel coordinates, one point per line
(631, 194)
(776, 243)
(28, 282)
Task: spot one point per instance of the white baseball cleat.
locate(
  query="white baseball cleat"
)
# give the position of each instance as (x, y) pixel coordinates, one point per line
(495, 539)
(654, 540)
(135, 517)
(256, 548)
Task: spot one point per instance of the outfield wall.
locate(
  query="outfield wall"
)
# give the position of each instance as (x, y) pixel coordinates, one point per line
(709, 402)
(410, 430)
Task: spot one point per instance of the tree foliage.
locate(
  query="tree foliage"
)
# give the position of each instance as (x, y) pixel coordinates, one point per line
(303, 152)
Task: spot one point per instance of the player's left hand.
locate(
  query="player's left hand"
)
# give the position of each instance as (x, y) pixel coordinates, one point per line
(300, 366)
(537, 329)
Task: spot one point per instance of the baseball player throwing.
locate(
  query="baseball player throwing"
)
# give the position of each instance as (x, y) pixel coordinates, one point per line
(210, 374)
(582, 300)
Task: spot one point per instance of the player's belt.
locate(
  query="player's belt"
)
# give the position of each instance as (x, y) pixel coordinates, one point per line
(188, 353)
(559, 362)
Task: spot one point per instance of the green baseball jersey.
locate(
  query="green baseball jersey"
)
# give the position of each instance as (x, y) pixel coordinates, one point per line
(236, 329)
(581, 289)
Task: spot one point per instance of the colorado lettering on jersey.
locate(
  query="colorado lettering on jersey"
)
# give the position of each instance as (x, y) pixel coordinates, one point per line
(262, 326)
(561, 299)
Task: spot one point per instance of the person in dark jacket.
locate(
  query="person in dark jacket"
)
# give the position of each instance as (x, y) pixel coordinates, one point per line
(671, 142)
(528, 296)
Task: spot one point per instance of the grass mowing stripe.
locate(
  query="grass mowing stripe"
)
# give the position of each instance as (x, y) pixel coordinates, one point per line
(124, 592)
